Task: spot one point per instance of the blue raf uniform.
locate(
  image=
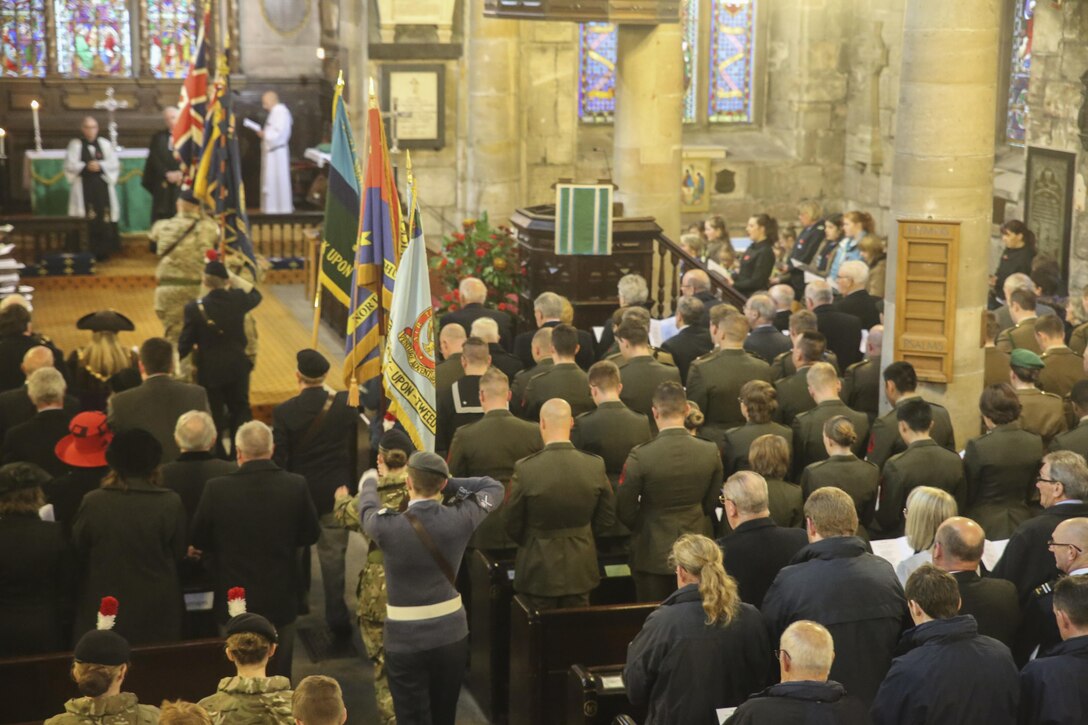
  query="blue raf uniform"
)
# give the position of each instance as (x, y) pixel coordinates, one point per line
(426, 630)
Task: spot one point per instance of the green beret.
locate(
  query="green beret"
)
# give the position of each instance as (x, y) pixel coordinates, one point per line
(1024, 358)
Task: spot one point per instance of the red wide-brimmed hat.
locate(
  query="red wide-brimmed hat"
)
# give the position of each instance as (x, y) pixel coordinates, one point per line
(86, 444)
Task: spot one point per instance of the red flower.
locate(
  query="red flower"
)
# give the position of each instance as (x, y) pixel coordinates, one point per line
(447, 297)
(456, 293)
(453, 308)
(108, 607)
(442, 264)
(480, 253)
(502, 306)
(459, 236)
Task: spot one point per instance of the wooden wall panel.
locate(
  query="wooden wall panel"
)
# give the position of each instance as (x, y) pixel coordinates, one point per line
(925, 304)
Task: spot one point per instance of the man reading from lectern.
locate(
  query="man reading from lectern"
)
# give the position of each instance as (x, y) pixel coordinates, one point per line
(276, 157)
(91, 167)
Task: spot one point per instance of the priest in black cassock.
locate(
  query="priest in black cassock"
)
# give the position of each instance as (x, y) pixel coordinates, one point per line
(162, 177)
(92, 167)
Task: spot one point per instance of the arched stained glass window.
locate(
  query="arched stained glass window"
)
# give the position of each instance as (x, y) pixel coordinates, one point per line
(22, 38)
(732, 59)
(1022, 32)
(93, 38)
(596, 72)
(689, 29)
(171, 32)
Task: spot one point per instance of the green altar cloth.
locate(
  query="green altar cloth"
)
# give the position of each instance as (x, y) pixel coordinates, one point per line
(44, 177)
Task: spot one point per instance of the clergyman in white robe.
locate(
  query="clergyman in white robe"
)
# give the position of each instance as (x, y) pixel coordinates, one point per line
(276, 157)
(92, 169)
(73, 168)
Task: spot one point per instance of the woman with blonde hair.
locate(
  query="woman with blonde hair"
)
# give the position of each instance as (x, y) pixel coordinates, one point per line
(927, 508)
(702, 649)
(842, 469)
(93, 365)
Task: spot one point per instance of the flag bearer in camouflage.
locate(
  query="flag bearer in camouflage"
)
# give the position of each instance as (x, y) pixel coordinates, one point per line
(393, 452)
(250, 698)
(181, 243)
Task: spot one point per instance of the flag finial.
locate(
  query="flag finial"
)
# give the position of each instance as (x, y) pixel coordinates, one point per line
(340, 79)
(408, 165)
(373, 93)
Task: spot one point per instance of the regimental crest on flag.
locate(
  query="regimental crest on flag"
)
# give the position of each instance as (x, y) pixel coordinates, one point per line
(418, 344)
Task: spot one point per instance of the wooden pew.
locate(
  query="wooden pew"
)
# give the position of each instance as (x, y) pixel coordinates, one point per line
(596, 696)
(35, 688)
(544, 646)
(491, 584)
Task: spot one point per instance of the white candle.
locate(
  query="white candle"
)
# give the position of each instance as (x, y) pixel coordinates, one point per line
(3, 134)
(37, 126)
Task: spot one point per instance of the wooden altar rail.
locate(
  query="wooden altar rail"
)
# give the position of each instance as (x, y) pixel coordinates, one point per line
(669, 257)
(35, 236)
(284, 235)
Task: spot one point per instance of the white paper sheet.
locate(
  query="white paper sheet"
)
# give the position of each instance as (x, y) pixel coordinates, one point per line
(893, 550)
(992, 553)
(724, 713)
(251, 124)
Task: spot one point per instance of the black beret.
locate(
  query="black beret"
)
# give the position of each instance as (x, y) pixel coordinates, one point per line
(134, 452)
(253, 623)
(105, 321)
(311, 363)
(216, 269)
(188, 196)
(395, 439)
(102, 647)
(17, 476)
(429, 463)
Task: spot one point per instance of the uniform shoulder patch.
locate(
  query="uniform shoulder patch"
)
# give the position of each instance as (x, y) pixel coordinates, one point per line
(386, 511)
(1043, 589)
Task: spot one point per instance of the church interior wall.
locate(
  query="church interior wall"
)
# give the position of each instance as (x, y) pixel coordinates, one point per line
(279, 38)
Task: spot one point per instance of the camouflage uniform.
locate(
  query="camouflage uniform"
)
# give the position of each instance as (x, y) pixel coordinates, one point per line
(251, 701)
(371, 590)
(180, 272)
(120, 709)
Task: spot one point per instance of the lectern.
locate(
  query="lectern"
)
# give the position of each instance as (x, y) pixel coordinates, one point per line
(589, 282)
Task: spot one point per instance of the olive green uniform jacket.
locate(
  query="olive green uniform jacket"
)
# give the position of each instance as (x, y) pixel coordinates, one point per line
(808, 433)
(997, 367)
(739, 440)
(521, 382)
(1022, 335)
(1001, 466)
(1063, 369)
(924, 463)
(670, 486)
(121, 709)
(858, 478)
(559, 498)
(640, 377)
(782, 366)
(1075, 440)
(885, 441)
(561, 380)
(251, 701)
(611, 431)
(714, 383)
(861, 387)
(793, 396)
(1042, 413)
(492, 446)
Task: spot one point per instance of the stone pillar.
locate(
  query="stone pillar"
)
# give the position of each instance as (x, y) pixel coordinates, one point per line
(354, 58)
(944, 154)
(648, 123)
(494, 144)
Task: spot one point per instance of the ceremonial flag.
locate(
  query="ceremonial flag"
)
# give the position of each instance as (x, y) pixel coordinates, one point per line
(342, 204)
(376, 259)
(218, 181)
(408, 365)
(188, 134)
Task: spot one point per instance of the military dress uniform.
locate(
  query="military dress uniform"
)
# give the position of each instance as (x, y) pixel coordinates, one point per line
(861, 387)
(613, 355)
(251, 699)
(1078, 339)
(492, 446)
(885, 441)
(1075, 440)
(181, 242)
(1022, 335)
(1042, 413)
(447, 372)
(457, 407)
(793, 396)
(370, 591)
(561, 380)
(860, 479)
(1001, 467)
(714, 383)
(739, 440)
(238, 264)
(997, 369)
(808, 432)
(782, 366)
(521, 381)
(122, 709)
(1063, 369)
(559, 498)
(611, 431)
(669, 486)
(924, 463)
(640, 376)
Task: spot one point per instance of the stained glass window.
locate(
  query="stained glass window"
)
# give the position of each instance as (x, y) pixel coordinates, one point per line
(171, 32)
(93, 38)
(689, 29)
(597, 72)
(22, 38)
(732, 58)
(1022, 32)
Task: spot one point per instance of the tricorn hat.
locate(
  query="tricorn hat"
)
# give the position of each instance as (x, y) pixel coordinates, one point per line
(105, 321)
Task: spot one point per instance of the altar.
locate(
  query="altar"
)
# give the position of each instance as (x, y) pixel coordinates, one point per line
(43, 177)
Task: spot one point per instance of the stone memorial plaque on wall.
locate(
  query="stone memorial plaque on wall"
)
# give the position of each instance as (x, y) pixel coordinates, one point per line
(1048, 201)
(415, 95)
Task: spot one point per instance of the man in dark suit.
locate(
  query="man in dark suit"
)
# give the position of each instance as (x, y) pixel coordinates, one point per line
(16, 337)
(472, 294)
(668, 487)
(900, 385)
(460, 405)
(1075, 440)
(808, 427)
(692, 341)
(214, 330)
(793, 395)
(491, 447)
(861, 381)
(765, 340)
(488, 330)
(559, 498)
(195, 436)
(957, 549)
(639, 372)
(562, 379)
(923, 463)
(162, 177)
(1063, 493)
(756, 547)
(15, 405)
(157, 403)
(450, 341)
(1039, 633)
(856, 301)
(1052, 688)
(315, 436)
(696, 283)
(548, 310)
(843, 331)
(252, 523)
(34, 440)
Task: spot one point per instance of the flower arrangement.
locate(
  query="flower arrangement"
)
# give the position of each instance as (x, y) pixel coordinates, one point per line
(479, 250)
